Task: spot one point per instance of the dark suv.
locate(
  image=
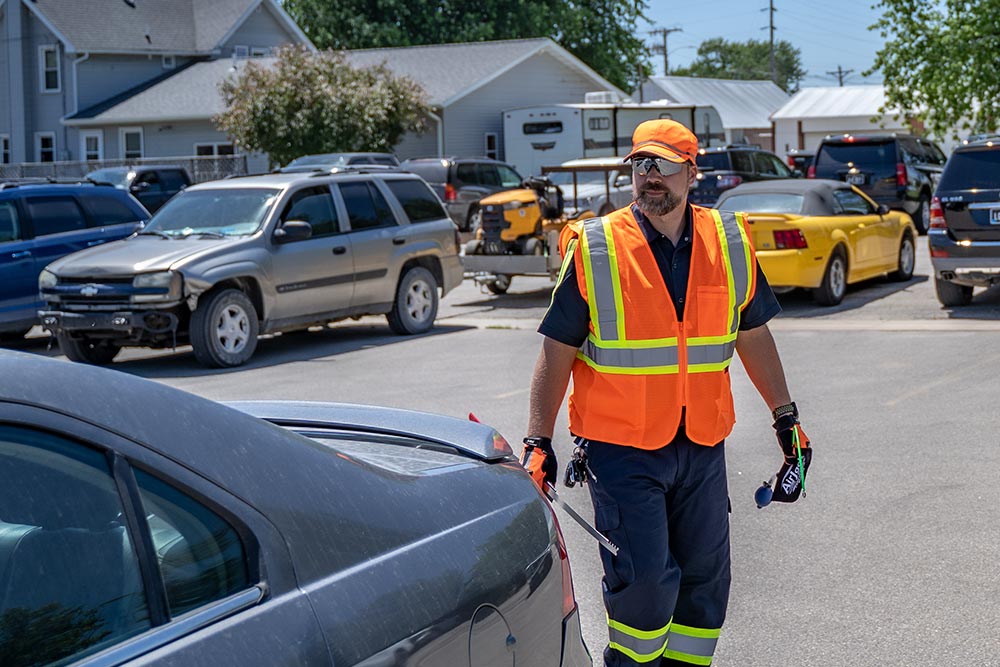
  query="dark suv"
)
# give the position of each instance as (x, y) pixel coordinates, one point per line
(725, 167)
(41, 222)
(151, 184)
(462, 182)
(964, 234)
(898, 170)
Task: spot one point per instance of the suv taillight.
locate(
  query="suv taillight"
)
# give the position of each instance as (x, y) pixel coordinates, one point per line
(937, 215)
(729, 181)
(901, 179)
(811, 171)
(450, 193)
(789, 239)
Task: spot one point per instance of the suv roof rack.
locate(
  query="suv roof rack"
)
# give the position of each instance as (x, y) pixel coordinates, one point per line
(984, 138)
(354, 169)
(7, 184)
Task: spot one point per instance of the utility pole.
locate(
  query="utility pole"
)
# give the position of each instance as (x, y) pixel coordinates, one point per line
(840, 74)
(658, 48)
(774, 71)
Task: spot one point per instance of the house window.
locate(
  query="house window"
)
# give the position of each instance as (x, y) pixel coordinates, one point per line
(259, 51)
(131, 142)
(49, 74)
(92, 145)
(241, 51)
(220, 149)
(4, 149)
(169, 62)
(45, 146)
(491, 145)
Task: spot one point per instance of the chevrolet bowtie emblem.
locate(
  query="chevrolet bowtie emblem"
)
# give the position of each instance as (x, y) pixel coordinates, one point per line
(89, 290)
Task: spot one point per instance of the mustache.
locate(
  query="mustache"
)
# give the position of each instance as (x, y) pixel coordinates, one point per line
(652, 188)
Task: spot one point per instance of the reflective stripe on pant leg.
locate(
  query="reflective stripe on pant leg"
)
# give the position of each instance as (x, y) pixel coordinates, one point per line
(692, 645)
(640, 645)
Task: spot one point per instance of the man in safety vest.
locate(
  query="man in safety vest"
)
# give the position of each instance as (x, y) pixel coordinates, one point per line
(651, 303)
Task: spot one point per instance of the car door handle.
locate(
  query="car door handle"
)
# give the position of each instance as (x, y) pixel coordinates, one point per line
(398, 241)
(20, 254)
(339, 250)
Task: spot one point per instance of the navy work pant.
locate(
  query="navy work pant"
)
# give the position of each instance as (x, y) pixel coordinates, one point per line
(667, 510)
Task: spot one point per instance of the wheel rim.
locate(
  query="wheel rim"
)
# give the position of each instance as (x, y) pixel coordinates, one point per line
(838, 277)
(233, 329)
(502, 281)
(925, 214)
(907, 256)
(419, 301)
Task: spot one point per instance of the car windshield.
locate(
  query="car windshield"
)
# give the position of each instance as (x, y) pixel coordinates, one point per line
(564, 178)
(227, 212)
(972, 170)
(116, 177)
(317, 160)
(763, 202)
(879, 157)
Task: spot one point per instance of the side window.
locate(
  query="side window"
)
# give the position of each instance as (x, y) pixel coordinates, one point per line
(851, 203)
(315, 206)
(106, 209)
(934, 154)
(152, 179)
(912, 151)
(172, 180)
(54, 215)
(201, 556)
(70, 579)
(10, 227)
(508, 177)
(488, 175)
(417, 200)
(467, 173)
(764, 165)
(742, 161)
(366, 207)
(386, 160)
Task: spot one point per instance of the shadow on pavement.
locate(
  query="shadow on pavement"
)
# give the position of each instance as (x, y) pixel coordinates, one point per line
(513, 300)
(800, 303)
(985, 306)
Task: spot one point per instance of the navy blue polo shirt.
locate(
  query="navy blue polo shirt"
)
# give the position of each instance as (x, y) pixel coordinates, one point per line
(568, 318)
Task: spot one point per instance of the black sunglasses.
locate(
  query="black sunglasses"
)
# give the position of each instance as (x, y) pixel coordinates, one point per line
(642, 165)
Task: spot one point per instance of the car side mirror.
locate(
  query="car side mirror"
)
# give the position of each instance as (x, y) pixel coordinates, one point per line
(623, 180)
(141, 186)
(293, 230)
(883, 209)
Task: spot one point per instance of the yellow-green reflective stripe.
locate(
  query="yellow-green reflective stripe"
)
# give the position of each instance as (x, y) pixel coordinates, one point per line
(567, 260)
(736, 250)
(722, 232)
(601, 280)
(692, 645)
(616, 284)
(710, 368)
(745, 241)
(622, 370)
(640, 645)
(684, 657)
(629, 357)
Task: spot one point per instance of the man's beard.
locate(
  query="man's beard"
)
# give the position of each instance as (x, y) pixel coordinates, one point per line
(657, 206)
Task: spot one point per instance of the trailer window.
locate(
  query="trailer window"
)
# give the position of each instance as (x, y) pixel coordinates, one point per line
(599, 123)
(551, 127)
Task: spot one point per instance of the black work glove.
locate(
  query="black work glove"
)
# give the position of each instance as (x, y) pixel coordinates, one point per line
(791, 477)
(539, 459)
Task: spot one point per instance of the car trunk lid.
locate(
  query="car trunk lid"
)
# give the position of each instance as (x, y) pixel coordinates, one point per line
(764, 225)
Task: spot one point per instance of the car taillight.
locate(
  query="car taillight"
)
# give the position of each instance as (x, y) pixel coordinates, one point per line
(729, 181)
(449, 192)
(791, 162)
(787, 239)
(937, 215)
(568, 597)
(811, 171)
(901, 179)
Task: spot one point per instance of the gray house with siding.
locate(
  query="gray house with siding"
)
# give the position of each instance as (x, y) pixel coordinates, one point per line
(467, 87)
(65, 61)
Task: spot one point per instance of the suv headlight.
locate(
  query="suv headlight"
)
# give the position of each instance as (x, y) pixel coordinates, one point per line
(47, 280)
(161, 286)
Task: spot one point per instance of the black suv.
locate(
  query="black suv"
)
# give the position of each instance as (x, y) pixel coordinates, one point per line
(151, 184)
(964, 234)
(898, 170)
(462, 182)
(722, 168)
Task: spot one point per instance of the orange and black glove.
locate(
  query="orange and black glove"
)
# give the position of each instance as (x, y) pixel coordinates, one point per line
(794, 443)
(539, 460)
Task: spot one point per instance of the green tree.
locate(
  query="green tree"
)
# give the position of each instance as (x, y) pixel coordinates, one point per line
(721, 59)
(939, 62)
(316, 103)
(599, 32)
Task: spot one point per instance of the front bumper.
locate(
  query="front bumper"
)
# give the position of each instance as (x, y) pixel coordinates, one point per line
(574, 651)
(119, 322)
(792, 268)
(975, 263)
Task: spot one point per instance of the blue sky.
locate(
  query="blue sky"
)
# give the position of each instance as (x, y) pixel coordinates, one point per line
(827, 34)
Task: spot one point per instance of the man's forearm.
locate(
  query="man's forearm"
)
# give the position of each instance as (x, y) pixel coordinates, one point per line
(760, 359)
(548, 386)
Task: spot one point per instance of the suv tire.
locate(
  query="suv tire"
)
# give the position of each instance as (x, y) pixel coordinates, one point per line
(83, 351)
(906, 259)
(922, 217)
(224, 329)
(416, 303)
(831, 291)
(952, 294)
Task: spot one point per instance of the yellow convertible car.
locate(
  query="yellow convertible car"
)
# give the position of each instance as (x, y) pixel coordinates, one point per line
(822, 235)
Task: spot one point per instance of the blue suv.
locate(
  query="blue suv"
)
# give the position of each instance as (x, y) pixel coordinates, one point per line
(41, 222)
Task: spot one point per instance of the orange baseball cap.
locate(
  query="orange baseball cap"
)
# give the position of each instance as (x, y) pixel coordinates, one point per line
(665, 138)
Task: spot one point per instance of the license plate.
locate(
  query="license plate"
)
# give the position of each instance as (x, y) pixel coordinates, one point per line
(856, 179)
(995, 216)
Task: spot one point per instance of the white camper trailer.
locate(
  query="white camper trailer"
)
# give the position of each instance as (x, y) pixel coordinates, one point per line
(549, 135)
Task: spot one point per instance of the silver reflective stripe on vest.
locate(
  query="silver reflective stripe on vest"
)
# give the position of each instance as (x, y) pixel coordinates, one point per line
(738, 263)
(710, 354)
(702, 647)
(618, 357)
(603, 281)
(640, 650)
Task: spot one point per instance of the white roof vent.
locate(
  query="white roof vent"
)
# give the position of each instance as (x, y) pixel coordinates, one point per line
(601, 97)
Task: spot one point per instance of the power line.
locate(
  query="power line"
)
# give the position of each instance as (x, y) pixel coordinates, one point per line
(658, 48)
(840, 73)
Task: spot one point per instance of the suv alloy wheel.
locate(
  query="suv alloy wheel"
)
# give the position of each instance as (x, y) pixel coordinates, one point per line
(224, 329)
(416, 302)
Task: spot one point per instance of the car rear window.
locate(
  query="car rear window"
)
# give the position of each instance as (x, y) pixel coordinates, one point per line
(972, 169)
(718, 161)
(879, 157)
(107, 209)
(763, 202)
(432, 172)
(417, 200)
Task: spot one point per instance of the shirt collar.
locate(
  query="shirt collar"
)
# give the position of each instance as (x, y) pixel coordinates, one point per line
(650, 232)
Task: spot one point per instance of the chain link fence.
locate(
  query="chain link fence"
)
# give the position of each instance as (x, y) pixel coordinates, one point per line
(201, 168)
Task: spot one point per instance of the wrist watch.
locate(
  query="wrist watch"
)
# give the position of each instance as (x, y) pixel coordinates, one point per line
(782, 410)
(538, 441)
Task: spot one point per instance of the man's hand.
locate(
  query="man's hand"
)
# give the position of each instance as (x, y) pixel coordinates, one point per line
(797, 454)
(539, 460)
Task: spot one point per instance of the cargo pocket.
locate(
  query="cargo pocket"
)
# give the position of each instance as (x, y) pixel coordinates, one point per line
(618, 569)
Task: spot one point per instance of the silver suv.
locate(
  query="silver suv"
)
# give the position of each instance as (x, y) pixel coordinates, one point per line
(225, 261)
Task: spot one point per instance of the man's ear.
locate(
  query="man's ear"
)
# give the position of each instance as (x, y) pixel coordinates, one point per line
(692, 173)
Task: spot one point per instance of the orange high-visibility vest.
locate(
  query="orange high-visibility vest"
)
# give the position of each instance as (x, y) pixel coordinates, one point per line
(639, 365)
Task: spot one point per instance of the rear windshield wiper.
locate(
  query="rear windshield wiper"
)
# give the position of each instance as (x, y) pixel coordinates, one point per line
(155, 232)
